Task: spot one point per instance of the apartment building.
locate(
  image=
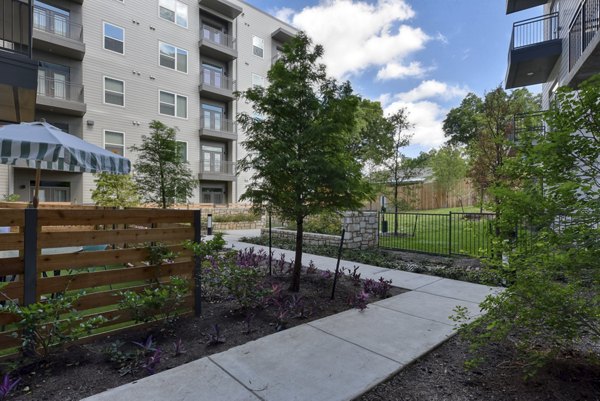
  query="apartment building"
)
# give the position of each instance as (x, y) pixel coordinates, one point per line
(560, 47)
(106, 69)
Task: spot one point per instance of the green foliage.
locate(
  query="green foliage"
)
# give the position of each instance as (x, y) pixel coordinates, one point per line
(373, 139)
(449, 168)
(159, 254)
(552, 305)
(300, 151)
(237, 217)
(115, 190)
(161, 175)
(130, 358)
(161, 302)
(11, 198)
(211, 247)
(49, 325)
(326, 223)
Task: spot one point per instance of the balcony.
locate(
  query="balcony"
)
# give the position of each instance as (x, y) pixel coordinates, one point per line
(18, 72)
(512, 6)
(217, 44)
(584, 41)
(217, 128)
(216, 85)
(60, 96)
(222, 7)
(282, 36)
(56, 33)
(217, 171)
(528, 124)
(534, 49)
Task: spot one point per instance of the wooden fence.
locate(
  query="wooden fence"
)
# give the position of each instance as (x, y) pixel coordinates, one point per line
(99, 251)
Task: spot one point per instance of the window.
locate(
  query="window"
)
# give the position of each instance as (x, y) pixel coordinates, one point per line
(114, 91)
(114, 38)
(182, 150)
(258, 80)
(258, 46)
(212, 117)
(114, 142)
(51, 19)
(172, 104)
(174, 11)
(173, 57)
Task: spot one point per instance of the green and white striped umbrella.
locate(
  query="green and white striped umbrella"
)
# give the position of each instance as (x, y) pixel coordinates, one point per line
(41, 145)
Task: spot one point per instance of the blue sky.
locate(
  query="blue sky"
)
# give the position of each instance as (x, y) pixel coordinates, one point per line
(424, 55)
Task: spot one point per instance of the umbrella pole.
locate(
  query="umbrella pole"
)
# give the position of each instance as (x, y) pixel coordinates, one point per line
(38, 173)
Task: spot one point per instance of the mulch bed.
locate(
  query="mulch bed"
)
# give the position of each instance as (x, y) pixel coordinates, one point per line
(84, 370)
(440, 376)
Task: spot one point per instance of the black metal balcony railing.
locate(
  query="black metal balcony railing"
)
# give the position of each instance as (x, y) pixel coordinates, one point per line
(59, 89)
(15, 32)
(212, 167)
(56, 24)
(216, 79)
(528, 123)
(218, 37)
(535, 30)
(583, 28)
(209, 121)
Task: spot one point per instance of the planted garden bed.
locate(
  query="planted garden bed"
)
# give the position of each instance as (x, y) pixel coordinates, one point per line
(242, 302)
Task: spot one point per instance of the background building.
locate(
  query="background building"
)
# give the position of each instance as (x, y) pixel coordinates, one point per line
(105, 69)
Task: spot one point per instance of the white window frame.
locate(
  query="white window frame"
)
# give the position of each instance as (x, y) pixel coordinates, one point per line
(259, 78)
(263, 46)
(104, 23)
(104, 91)
(175, 12)
(187, 62)
(187, 106)
(104, 143)
(187, 150)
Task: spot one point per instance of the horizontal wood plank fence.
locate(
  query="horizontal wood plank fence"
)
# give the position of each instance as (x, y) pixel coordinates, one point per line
(99, 251)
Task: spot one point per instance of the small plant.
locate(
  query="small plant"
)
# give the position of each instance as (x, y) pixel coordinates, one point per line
(160, 254)
(248, 322)
(7, 386)
(152, 362)
(11, 198)
(311, 269)
(354, 276)
(145, 355)
(379, 288)
(45, 326)
(360, 300)
(204, 249)
(327, 274)
(281, 316)
(215, 338)
(280, 264)
(162, 301)
(146, 346)
(178, 348)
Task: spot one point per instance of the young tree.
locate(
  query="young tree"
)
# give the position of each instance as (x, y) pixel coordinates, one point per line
(449, 168)
(299, 152)
(552, 305)
(161, 175)
(115, 190)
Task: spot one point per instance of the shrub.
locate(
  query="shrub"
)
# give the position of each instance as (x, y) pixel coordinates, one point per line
(162, 301)
(204, 249)
(51, 324)
(329, 223)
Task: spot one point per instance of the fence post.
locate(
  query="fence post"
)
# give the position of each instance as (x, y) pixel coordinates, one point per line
(197, 264)
(30, 275)
(450, 233)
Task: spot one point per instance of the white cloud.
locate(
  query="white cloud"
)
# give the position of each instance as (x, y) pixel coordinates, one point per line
(396, 70)
(284, 14)
(432, 89)
(357, 35)
(424, 112)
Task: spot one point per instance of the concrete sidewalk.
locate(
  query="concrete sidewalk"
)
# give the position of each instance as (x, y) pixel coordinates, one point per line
(332, 359)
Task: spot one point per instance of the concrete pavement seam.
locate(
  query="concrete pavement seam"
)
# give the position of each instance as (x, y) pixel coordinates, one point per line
(236, 379)
(410, 314)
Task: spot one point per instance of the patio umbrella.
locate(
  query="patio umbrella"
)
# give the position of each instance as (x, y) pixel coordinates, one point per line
(40, 144)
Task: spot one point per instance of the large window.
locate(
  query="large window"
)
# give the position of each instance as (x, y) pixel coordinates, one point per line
(114, 142)
(173, 57)
(114, 91)
(174, 11)
(114, 38)
(172, 104)
(258, 46)
(212, 117)
(51, 19)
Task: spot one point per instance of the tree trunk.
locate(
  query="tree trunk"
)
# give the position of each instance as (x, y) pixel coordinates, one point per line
(295, 285)
(396, 208)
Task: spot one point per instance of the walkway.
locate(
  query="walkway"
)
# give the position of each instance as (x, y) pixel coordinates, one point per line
(332, 359)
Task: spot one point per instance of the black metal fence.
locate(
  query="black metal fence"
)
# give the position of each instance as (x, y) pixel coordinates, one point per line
(468, 234)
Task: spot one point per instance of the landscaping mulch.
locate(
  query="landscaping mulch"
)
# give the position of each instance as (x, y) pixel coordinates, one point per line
(441, 376)
(84, 370)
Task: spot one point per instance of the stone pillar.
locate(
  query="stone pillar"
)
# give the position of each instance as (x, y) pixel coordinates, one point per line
(361, 230)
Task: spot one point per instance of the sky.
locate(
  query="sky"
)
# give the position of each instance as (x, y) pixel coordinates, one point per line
(424, 55)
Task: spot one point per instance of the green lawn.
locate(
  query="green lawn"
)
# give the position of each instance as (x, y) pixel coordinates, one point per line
(439, 233)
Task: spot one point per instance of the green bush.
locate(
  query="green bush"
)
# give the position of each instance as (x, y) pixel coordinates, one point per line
(238, 217)
(161, 302)
(49, 325)
(329, 223)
